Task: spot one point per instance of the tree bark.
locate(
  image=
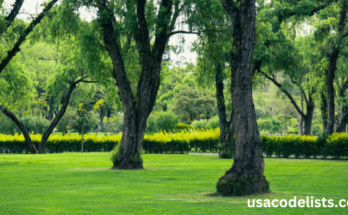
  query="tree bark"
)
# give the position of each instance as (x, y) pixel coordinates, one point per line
(21, 39)
(51, 111)
(221, 103)
(342, 126)
(300, 125)
(323, 110)
(308, 118)
(15, 10)
(246, 175)
(330, 74)
(137, 107)
(23, 129)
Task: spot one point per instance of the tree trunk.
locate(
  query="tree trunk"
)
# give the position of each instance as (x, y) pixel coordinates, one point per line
(342, 126)
(56, 120)
(15, 10)
(300, 121)
(137, 107)
(246, 175)
(323, 110)
(51, 111)
(330, 73)
(330, 76)
(300, 127)
(308, 118)
(23, 129)
(221, 103)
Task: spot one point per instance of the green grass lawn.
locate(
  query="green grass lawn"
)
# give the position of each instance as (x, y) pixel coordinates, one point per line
(75, 183)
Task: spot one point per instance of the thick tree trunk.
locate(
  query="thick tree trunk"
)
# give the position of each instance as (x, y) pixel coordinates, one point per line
(330, 76)
(246, 175)
(132, 141)
(137, 107)
(23, 129)
(308, 118)
(56, 120)
(221, 103)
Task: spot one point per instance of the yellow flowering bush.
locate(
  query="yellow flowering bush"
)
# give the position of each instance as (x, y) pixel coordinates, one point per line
(335, 145)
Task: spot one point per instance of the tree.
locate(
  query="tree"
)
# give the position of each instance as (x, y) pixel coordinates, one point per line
(291, 61)
(213, 54)
(190, 103)
(142, 21)
(246, 175)
(333, 56)
(11, 53)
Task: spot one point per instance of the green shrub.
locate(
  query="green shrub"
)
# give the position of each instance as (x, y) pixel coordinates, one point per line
(89, 121)
(274, 126)
(66, 122)
(115, 155)
(37, 125)
(161, 121)
(213, 122)
(200, 124)
(7, 126)
(114, 124)
(182, 126)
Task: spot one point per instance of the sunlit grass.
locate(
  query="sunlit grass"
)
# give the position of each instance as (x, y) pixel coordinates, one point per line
(83, 183)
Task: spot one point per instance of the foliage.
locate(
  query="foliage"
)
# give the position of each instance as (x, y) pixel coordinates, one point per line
(7, 126)
(86, 120)
(114, 124)
(58, 143)
(206, 124)
(182, 126)
(66, 122)
(192, 104)
(271, 125)
(115, 155)
(335, 145)
(161, 121)
(36, 125)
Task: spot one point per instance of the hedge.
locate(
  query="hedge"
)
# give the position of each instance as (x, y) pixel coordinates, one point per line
(335, 145)
(58, 143)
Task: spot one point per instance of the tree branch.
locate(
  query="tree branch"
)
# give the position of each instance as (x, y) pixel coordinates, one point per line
(301, 90)
(15, 49)
(21, 127)
(14, 12)
(292, 100)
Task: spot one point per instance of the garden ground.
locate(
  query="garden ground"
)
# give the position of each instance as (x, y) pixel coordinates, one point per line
(83, 183)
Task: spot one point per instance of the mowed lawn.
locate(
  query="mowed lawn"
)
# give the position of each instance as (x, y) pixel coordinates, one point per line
(83, 183)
